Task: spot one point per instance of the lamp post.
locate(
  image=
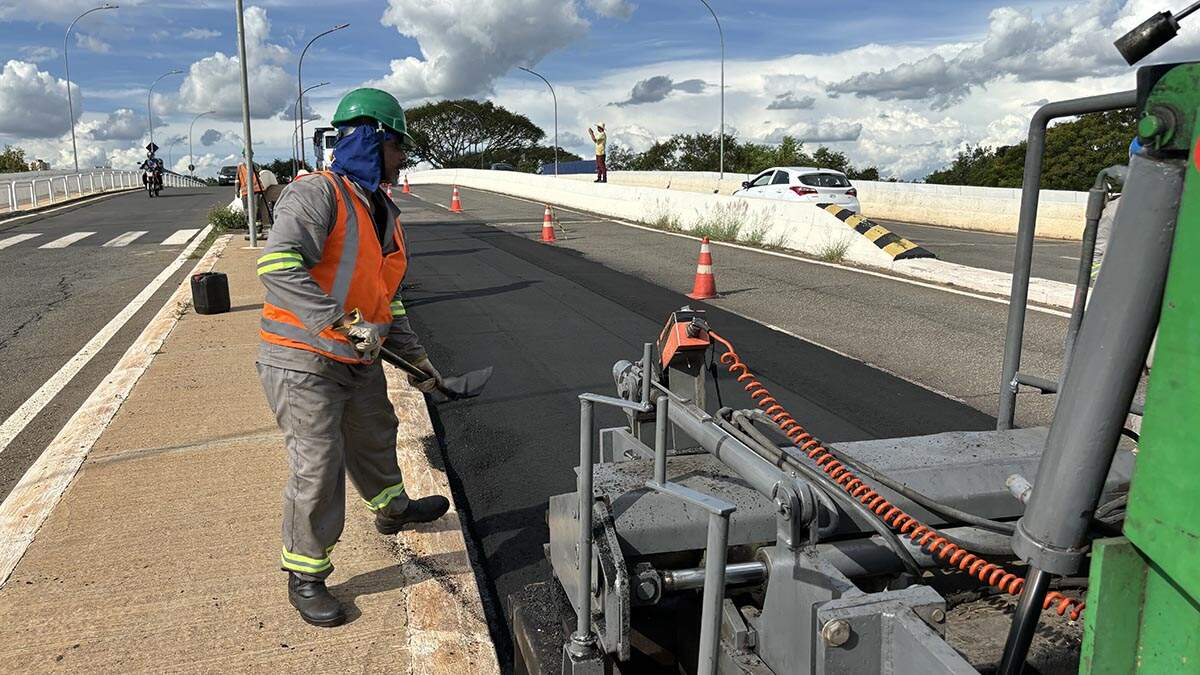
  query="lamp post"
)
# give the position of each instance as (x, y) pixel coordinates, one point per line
(297, 113)
(150, 92)
(555, 97)
(247, 142)
(720, 33)
(300, 82)
(67, 65)
(481, 127)
(191, 160)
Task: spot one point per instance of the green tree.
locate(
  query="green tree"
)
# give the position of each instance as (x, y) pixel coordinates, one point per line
(1075, 152)
(12, 160)
(282, 168)
(454, 133)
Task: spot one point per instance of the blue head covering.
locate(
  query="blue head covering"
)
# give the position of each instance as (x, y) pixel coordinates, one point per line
(358, 157)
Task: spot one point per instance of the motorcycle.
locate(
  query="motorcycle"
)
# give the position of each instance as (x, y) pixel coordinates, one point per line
(153, 182)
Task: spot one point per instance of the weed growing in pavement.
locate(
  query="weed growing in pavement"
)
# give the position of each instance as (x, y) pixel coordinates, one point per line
(663, 219)
(756, 236)
(224, 219)
(834, 251)
(779, 241)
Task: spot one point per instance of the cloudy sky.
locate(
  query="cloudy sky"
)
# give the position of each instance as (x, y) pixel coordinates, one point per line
(902, 85)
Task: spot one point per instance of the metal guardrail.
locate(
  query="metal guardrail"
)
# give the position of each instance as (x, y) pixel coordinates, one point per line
(42, 190)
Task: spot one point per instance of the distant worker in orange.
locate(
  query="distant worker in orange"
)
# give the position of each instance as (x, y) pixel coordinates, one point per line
(601, 140)
(263, 215)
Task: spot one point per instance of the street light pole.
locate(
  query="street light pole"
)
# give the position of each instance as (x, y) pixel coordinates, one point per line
(150, 92)
(300, 82)
(481, 127)
(721, 33)
(191, 159)
(248, 146)
(67, 68)
(296, 114)
(555, 97)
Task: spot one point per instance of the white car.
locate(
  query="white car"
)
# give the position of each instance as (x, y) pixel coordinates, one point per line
(803, 184)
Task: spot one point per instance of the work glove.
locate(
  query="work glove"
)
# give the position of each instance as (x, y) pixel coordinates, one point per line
(363, 335)
(429, 384)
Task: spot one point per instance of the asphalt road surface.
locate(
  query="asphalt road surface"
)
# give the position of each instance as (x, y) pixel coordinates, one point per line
(1053, 259)
(552, 320)
(63, 276)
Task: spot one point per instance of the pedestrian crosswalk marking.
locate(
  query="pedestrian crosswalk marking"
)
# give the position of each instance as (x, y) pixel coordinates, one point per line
(180, 237)
(63, 242)
(125, 239)
(16, 239)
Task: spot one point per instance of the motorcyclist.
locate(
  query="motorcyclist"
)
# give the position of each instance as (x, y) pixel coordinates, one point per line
(152, 171)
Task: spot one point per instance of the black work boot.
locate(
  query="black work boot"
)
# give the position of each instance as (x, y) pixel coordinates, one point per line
(315, 603)
(420, 510)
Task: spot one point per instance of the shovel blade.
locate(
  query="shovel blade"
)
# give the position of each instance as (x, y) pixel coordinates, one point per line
(467, 385)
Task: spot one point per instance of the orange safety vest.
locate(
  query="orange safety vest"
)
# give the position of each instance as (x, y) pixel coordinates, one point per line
(353, 270)
(242, 181)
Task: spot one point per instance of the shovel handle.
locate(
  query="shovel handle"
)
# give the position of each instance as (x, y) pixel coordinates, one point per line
(396, 360)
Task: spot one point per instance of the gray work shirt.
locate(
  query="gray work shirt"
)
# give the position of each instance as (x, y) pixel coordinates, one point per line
(304, 216)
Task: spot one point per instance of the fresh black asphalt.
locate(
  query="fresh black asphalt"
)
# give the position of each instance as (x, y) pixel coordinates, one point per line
(553, 322)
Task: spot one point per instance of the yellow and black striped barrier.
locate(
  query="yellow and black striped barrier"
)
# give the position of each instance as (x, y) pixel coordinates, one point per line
(892, 244)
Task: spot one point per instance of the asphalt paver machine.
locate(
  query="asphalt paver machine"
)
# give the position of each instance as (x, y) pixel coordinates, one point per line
(706, 539)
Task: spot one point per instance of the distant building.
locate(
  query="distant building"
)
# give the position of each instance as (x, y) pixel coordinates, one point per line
(39, 165)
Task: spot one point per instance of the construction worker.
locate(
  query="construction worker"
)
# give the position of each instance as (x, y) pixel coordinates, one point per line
(262, 215)
(601, 140)
(332, 268)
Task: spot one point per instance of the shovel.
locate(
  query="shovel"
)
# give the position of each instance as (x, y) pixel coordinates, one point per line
(456, 387)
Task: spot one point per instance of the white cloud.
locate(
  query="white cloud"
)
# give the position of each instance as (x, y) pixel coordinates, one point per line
(34, 102)
(615, 9)
(200, 34)
(122, 124)
(1061, 45)
(92, 44)
(37, 54)
(466, 45)
(214, 82)
(824, 131)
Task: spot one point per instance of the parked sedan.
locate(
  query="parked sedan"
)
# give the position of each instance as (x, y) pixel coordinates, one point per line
(227, 175)
(803, 184)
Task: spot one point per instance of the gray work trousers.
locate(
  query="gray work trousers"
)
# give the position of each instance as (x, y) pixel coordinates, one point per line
(331, 429)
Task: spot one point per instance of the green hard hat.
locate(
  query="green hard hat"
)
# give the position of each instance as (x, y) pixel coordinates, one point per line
(377, 105)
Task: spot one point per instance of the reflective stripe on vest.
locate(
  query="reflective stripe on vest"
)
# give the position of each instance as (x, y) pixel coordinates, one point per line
(352, 270)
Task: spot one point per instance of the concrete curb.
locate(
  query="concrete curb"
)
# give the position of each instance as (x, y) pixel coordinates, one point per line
(447, 627)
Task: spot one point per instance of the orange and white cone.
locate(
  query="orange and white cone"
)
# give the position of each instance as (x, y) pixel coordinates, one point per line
(548, 226)
(455, 202)
(705, 286)
(406, 189)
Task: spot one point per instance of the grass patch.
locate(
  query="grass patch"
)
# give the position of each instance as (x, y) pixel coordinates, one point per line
(222, 219)
(756, 236)
(834, 251)
(779, 241)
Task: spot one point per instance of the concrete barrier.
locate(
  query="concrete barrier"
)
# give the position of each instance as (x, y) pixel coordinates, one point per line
(1060, 212)
(801, 227)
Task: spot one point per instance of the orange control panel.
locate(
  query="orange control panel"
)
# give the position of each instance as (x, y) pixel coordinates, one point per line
(685, 331)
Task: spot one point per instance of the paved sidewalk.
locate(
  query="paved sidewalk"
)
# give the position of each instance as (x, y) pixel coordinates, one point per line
(162, 555)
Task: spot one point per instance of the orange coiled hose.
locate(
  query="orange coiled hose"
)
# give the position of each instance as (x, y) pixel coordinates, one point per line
(927, 538)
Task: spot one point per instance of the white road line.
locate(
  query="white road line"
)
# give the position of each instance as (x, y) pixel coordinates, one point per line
(23, 415)
(63, 242)
(125, 239)
(40, 489)
(180, 237)
(16, 239)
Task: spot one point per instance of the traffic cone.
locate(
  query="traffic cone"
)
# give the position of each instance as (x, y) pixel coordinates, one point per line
(548, 226)
(406, 189)
(705, 286)
(455, 202)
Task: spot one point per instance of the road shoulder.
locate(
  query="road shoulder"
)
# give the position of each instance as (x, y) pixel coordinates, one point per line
(163, 553)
